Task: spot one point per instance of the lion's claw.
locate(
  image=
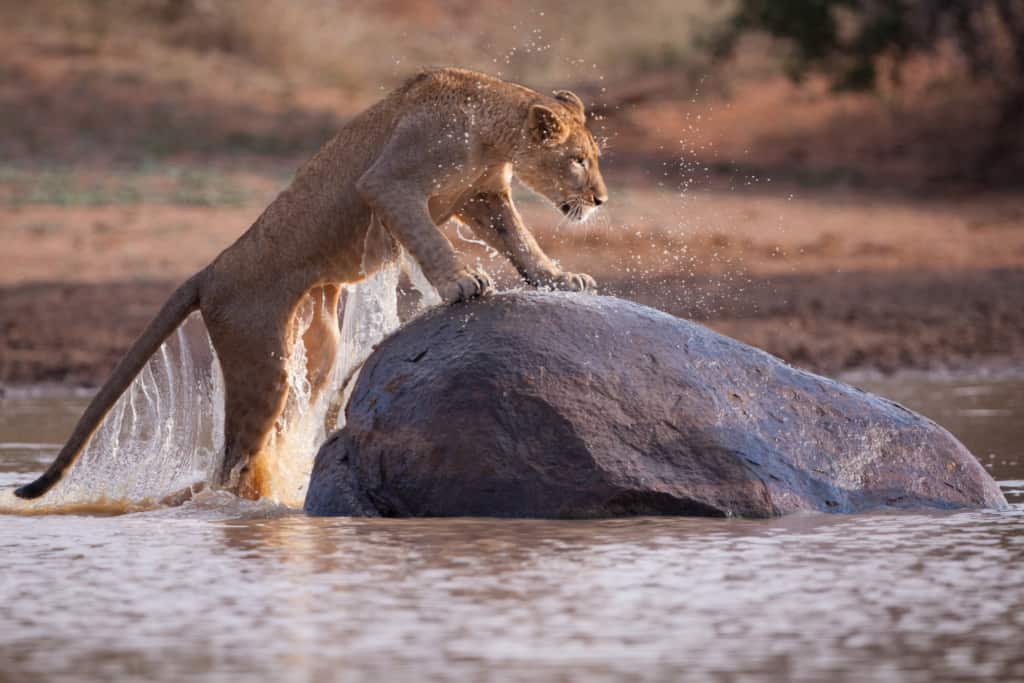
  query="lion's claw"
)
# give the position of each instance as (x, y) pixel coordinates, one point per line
(470, 283)
(571, 282)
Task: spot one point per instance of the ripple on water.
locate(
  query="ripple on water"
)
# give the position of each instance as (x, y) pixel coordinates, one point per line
(257, 590)
(229, 589)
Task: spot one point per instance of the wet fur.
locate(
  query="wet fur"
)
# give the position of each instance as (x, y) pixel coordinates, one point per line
(444, 145)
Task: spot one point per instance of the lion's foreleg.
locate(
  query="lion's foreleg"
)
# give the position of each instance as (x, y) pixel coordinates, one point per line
(397, 188)
(494, 218)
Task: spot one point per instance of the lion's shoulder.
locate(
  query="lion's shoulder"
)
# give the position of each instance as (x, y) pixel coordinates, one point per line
(439, 81)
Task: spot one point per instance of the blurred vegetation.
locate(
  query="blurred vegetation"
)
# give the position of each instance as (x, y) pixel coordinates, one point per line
(850, 39)
(359, 44)
(163, 184)
(857, 43)
(928, 92)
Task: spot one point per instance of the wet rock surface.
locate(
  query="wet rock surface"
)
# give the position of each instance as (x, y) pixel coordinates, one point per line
(532, 404)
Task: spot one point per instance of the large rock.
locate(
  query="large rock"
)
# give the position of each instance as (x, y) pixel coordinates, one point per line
(558, 405)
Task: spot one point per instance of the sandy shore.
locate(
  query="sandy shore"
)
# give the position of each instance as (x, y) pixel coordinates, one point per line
(830, 282)
(73, 334)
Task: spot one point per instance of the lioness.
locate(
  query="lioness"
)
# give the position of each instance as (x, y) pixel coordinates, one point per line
(445, 144)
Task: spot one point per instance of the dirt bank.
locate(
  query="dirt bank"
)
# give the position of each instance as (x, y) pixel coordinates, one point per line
(73, 334)
(831, 282)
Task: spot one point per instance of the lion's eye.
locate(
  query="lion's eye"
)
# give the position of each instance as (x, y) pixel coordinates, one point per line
(579, 161)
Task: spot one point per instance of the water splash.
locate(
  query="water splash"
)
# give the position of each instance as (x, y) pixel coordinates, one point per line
(428, 295)
(165, 434)
(368, 312)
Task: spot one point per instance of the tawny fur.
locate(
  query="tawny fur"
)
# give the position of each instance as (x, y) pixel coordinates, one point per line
(444, 145)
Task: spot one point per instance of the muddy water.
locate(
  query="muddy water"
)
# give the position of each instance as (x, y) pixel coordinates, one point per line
(224, 590)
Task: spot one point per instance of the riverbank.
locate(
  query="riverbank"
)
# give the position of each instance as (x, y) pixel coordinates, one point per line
(73, 333)
(834, 282)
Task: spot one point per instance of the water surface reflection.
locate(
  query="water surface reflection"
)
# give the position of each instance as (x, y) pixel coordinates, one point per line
(229, 590)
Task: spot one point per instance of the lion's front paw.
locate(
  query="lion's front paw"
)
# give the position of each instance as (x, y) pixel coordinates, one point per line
(468, 284)
(572, 282)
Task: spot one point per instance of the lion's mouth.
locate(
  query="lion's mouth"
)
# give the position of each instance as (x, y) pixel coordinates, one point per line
(577, 209)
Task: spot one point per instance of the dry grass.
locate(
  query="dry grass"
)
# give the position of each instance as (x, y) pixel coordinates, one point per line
(365, 45)
(152, 81)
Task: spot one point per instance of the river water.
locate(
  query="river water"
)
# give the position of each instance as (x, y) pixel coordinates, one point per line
(220, 589)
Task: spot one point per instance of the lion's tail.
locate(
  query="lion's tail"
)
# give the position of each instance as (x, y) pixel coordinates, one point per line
(184, 300)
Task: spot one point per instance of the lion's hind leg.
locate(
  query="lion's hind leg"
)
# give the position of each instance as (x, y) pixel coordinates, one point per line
(254, 363)
(321, 338)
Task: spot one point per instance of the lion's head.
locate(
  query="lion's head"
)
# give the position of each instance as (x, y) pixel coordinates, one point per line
(560, 157)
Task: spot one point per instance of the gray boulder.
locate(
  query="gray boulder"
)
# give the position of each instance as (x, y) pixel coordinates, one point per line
(533, 404)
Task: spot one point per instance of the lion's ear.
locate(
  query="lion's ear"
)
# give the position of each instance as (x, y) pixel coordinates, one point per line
(573, 102)
(545, 126)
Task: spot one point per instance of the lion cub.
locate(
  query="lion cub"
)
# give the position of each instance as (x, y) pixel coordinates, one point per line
(445, 144)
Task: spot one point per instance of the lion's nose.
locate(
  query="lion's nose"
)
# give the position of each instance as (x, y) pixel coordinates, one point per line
(598, 200)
